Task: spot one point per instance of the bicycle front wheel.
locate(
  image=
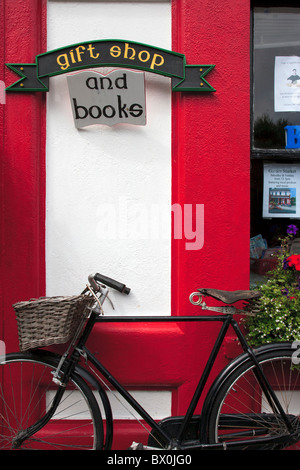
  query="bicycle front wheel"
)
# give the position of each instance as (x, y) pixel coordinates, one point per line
(240, 414)
(26, 393)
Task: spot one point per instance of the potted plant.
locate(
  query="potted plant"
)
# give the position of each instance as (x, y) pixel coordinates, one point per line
(276, 314)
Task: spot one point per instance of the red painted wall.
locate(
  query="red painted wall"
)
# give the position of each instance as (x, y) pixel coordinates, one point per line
(210, 166)
(211, 157)
(211, 132)
(22, 165)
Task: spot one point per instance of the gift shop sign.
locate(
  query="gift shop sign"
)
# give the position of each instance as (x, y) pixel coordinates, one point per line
(118, 97)
(116, 53)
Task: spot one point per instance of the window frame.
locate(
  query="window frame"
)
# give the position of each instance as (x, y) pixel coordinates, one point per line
(267, 154)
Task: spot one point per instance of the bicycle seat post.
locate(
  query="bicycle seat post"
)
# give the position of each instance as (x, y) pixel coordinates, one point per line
(228, 309)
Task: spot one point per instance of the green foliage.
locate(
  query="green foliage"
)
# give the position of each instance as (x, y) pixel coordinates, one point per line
(277, 311)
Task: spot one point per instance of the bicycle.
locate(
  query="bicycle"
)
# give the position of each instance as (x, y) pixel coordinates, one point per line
(247, 407)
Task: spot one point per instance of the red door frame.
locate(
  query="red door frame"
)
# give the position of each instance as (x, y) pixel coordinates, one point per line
(23, 25)
(210, 162)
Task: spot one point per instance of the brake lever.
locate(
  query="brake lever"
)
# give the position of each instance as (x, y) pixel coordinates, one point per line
(111, 302)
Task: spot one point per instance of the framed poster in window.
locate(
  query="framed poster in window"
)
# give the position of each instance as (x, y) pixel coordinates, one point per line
(281, 193)
(287, 84)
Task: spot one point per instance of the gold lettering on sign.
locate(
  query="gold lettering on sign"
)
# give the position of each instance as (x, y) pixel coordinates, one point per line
(143, 58)
(64, 60)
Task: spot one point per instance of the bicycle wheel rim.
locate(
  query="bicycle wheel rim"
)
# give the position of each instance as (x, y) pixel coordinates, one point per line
(241, 413)
(26, 393)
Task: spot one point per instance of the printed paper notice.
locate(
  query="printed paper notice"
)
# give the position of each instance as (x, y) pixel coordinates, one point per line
(281, 196)
(287, 84)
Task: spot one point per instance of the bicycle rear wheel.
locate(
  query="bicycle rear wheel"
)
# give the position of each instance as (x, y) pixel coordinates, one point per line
(240, 412)
(26, 392)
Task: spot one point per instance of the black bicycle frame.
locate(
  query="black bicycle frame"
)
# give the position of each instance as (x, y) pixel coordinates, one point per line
(164, 438)
(226, 321)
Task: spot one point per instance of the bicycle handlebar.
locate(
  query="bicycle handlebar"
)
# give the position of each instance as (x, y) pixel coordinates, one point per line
(111, 283)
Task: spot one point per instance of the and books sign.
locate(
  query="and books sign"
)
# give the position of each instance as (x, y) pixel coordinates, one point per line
(116, 53)
(118, 97)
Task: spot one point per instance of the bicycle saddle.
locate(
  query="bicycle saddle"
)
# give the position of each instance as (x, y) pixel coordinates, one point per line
(230, 297)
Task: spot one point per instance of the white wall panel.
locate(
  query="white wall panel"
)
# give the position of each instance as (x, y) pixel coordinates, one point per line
(109, 188)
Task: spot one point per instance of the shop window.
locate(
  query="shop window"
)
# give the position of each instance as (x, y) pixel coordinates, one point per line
(276, 74)
(275, 126)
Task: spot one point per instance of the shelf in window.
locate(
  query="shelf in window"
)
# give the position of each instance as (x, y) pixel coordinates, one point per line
(275, 154)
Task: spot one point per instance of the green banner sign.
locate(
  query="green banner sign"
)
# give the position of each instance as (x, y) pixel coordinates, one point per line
(116, 53)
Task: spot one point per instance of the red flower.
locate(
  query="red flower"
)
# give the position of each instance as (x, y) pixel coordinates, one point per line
(294, 260)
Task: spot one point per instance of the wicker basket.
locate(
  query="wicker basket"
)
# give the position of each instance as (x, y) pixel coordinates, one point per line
(50, 320)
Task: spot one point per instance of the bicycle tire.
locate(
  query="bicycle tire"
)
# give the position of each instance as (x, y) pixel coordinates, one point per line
(26, 390)
(239, 415)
